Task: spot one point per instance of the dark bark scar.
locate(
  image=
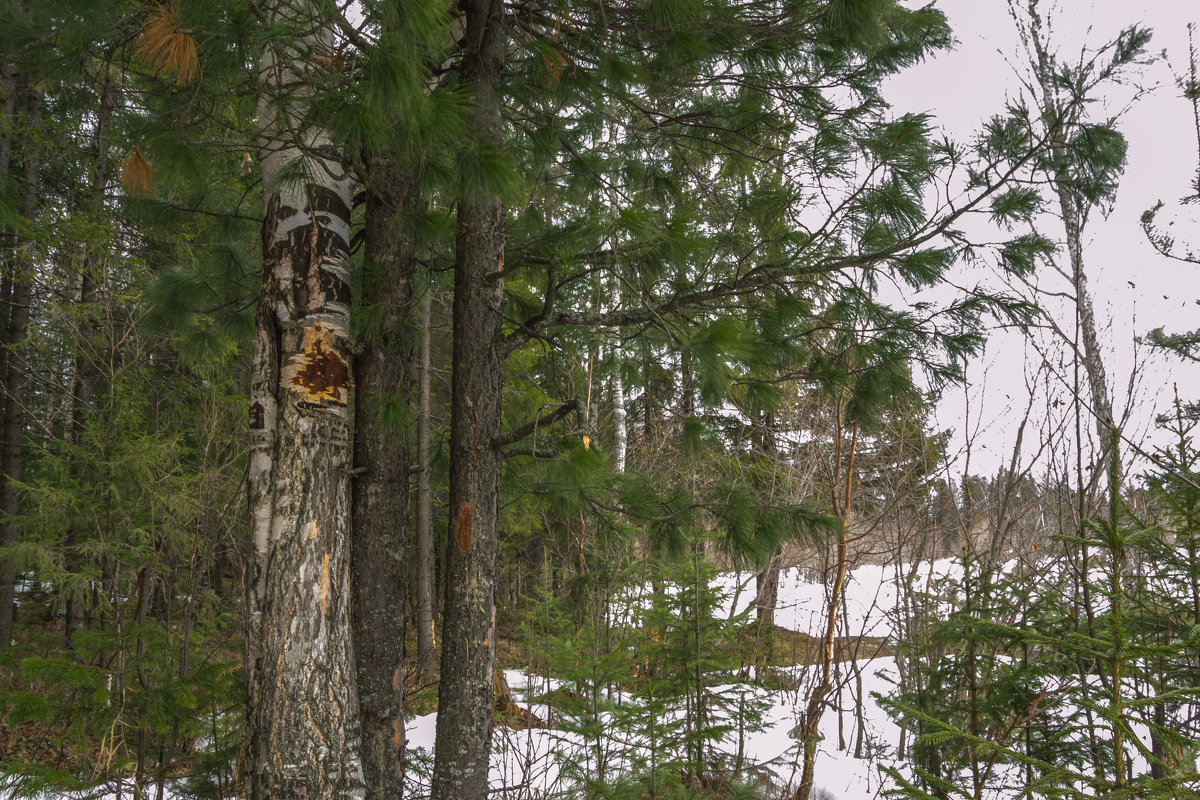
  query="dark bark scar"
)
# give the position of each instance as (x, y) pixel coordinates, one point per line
(325, 375)
(258, 417)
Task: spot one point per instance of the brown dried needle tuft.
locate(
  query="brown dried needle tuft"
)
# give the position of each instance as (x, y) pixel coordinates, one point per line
(166, 46)
(136, 176)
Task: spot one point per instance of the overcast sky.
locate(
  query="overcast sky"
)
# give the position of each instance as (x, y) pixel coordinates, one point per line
(1134, 288)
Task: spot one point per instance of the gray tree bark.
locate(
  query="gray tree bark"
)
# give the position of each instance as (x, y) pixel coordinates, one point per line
(465, 700)
(620, 425)
(1074, 216)
(383, 397)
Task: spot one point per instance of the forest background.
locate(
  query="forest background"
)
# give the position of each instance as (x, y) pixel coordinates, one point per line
(541, 308)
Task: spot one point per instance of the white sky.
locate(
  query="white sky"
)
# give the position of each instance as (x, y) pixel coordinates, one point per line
(963, 87)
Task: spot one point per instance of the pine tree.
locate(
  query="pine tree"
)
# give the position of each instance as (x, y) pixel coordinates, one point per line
(16, 292)
(466, 691)
(681, 170)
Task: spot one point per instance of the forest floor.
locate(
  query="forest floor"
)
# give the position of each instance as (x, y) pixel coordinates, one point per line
(858, 738)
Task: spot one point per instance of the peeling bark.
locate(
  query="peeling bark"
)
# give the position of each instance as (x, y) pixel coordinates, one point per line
(303, 706)
(1093, 356)
(1074, 216)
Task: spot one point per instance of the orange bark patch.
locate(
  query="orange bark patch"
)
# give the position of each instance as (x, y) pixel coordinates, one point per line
(324, 375)
(462, 528)
(397, 734)
(325, 586)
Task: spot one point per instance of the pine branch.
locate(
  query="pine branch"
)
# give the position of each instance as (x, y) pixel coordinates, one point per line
(538, 422)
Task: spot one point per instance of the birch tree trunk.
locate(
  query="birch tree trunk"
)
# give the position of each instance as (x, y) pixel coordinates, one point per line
(620, 427)
(465, 698)
(303, 713)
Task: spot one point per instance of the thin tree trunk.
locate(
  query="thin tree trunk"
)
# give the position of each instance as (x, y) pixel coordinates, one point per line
(842, 489)
(1093, 359)
(1074, 216)
(425, 640)
(465, 700)
(815, 708)
(20, 278)
(620, 426)
(87, 372)
(8, 112)
(767, 580)
(647, 408)
(383, 370)
(303, 721)
(767, 596)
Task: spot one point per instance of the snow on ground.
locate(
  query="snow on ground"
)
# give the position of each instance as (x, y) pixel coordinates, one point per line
(530, 763)
(872, 593)
(525, 762)
(542, 763)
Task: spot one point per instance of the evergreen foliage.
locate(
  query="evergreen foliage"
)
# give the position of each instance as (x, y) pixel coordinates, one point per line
(699, 203)
(1015, 683)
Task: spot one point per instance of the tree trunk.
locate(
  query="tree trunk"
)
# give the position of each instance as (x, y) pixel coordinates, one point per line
(8, 113)
(383, 371)
(1093, 358)
(767, 594)
(811, 720)
(1074, 216)
(465, 700)
(425, 609)
(20, 279)
(87, 372)
(767, 580)
(303, 722)
(841, 488)
(620, 432)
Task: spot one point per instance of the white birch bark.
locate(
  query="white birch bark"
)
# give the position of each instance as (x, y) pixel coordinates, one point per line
(620, 432)
(303, 707)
